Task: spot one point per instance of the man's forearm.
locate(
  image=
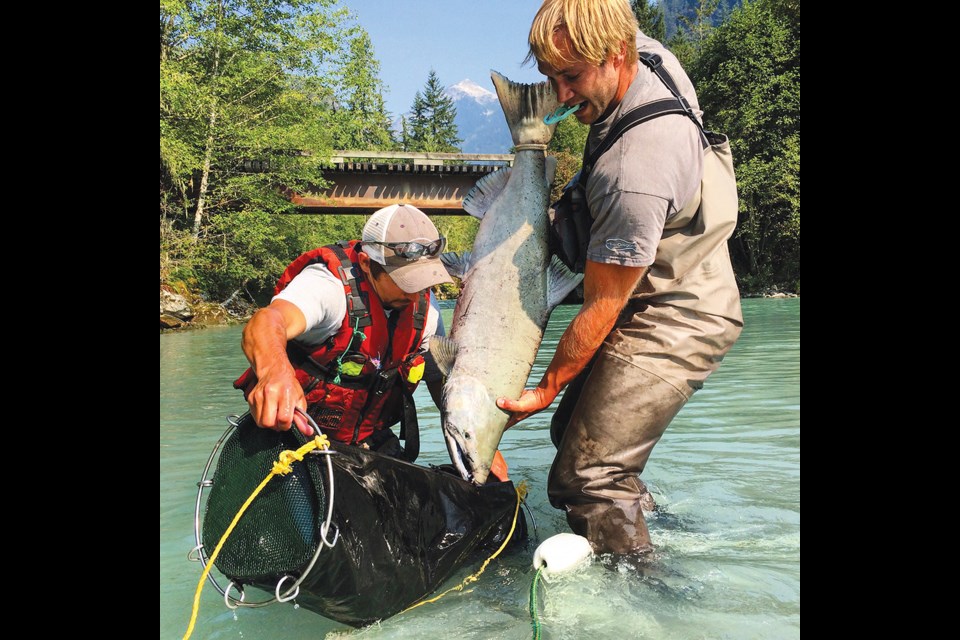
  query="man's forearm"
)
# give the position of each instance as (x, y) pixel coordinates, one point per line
(265, 341)
(277, 393)
(581, 340)
(606, 290)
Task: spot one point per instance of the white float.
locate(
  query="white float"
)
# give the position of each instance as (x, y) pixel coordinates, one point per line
(561, 553)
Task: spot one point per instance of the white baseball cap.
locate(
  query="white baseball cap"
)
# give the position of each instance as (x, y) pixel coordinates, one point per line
(404, 240)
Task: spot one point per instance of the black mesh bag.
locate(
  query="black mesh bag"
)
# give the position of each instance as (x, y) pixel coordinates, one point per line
(401, 529)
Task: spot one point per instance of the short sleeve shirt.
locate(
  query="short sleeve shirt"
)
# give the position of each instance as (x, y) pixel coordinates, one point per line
(320, 297)
(648, 175)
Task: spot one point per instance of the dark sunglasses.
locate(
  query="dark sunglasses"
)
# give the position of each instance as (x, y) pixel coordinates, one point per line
(414, 250)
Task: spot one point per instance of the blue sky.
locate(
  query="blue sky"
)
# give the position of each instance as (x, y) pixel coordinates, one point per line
(459, 39)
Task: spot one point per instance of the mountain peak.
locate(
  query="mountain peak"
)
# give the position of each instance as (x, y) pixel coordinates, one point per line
(469, 89)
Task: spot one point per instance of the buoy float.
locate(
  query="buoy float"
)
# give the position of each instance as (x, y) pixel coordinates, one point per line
(562, 552)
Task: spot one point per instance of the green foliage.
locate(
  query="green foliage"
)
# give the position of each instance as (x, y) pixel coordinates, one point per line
(748, 80)
(700, 24)
(460, 232)
(683, 47)
(569, 136)
(238, 81)
(650, 16)
(431, 122)
(405, 134)
(568, 164)
(567, 144)
(447, 291)
(678, 13)
(362, 123)
(254, 94)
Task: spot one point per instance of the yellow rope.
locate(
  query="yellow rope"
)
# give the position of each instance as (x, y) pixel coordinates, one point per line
(521, 494)
(281, 467)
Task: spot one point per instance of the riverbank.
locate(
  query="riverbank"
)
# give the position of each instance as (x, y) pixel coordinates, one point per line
(182, 311)
(770, 292)
(185, 311)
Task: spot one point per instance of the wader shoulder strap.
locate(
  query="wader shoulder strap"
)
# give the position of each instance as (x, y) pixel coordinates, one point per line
(645, 112)
(630, 119)
(655, 63)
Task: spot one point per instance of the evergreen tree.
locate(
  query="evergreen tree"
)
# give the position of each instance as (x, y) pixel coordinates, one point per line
(417, 124)
(701, 23)
(681, 44)
(363, 123)
(676, 13)
(672, 10)
(748, 81)
(650, 16)
(432, 126)
(405, 135)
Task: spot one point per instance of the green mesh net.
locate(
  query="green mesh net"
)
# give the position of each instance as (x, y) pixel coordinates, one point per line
(279, 532)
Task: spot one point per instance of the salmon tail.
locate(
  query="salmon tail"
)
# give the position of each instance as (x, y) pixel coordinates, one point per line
(525, 106)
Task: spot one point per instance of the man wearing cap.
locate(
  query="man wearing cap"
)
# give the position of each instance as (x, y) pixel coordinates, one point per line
(344, 336)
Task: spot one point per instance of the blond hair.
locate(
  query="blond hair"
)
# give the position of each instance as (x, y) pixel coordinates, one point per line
(596, 28)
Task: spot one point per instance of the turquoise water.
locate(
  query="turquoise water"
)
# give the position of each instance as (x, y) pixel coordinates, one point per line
(726, 476)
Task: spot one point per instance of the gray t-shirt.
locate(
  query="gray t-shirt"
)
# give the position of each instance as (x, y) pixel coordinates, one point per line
(648, 175)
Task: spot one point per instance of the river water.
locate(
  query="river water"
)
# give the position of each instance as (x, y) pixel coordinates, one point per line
(726, 476)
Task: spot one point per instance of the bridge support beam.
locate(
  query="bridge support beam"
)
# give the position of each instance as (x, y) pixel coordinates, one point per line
(364, 187)
(435, 193)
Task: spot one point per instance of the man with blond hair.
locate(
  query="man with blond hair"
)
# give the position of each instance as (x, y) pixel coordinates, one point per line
(661, 306)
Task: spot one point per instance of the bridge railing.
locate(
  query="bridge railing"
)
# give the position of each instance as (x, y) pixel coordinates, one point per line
(425, 158)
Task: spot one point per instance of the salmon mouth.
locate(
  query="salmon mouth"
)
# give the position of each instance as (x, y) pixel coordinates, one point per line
(458, 456)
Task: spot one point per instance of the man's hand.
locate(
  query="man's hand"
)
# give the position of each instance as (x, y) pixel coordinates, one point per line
(273, 400)
(531, 401)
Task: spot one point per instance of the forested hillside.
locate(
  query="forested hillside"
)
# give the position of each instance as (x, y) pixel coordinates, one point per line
(276, 86)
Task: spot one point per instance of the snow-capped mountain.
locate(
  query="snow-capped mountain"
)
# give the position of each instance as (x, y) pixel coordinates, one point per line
(480, 120)
(470, 89)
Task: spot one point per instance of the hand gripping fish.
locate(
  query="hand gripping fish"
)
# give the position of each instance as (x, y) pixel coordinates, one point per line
(510, 285)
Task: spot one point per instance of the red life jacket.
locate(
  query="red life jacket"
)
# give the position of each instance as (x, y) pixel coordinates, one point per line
(356, 382)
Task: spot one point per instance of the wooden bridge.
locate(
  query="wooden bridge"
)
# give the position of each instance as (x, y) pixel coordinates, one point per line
(364, 181)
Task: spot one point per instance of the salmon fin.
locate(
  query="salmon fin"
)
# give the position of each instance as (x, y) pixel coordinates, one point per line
(457, 265)
(480, 198)
(444, 352)
(525, 106)
(560, 282)
(550, 169)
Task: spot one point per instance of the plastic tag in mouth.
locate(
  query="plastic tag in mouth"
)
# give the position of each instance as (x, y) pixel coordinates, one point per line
(562, 112)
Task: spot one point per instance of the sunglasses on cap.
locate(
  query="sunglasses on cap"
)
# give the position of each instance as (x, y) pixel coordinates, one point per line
(414, 250)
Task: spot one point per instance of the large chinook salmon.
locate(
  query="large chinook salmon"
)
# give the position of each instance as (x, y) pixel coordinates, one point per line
(510, 286)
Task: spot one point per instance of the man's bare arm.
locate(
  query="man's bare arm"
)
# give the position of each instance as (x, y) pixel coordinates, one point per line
(606, 289)
(277, 392)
